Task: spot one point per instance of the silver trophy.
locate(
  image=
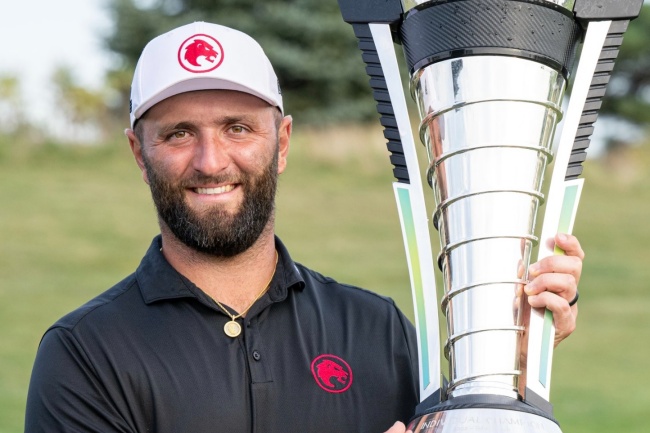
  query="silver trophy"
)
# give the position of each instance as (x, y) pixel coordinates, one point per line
(488, 77)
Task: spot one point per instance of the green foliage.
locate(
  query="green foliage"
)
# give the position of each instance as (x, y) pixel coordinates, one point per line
(313, 50)
(81, 106)
(11, 104)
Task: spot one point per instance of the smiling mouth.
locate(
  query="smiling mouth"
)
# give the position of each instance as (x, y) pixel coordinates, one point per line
(214, 191)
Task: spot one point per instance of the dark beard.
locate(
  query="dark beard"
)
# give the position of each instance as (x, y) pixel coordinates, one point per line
(214, 231)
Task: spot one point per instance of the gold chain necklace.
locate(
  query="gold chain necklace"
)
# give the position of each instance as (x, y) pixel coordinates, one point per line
(232, 328)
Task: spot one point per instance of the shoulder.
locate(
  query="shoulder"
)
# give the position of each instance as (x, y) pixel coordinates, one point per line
(323, 284)
(100, 308)
(100, 327)
(340, 298)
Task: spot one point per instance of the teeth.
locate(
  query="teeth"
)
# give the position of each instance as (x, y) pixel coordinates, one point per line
(220, 190)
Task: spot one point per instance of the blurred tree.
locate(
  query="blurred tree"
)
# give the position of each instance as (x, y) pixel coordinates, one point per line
(118, 81)
(84, 109)
(313, 51)
(12, 116)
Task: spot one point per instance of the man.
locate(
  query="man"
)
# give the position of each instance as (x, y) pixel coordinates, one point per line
(218, 329)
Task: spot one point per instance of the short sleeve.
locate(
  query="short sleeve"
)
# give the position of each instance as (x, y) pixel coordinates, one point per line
(64, 392)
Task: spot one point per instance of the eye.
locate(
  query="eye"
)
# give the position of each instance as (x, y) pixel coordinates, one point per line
(177, 135)
(237, 129)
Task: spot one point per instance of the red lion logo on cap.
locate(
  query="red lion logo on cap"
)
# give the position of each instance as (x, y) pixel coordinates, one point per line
(200, 46)
(197, 49)
(331, 373)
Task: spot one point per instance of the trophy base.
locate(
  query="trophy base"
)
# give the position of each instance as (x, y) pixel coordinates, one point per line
(484, 414)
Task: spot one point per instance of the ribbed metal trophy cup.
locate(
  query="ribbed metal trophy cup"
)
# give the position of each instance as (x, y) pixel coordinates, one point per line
(489, 78)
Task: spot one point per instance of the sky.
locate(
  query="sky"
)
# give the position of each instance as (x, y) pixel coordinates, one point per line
(37, 36)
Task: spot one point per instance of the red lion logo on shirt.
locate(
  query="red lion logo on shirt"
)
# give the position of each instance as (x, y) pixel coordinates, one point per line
(327, 370)
(199, 48)
(331, 373)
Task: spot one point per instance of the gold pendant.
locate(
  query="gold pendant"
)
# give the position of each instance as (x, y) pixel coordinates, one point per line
(232, 329)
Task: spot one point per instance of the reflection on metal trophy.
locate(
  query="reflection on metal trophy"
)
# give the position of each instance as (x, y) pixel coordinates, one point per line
(488, 77)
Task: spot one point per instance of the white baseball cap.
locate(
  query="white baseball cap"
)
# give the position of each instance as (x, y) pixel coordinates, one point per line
(201, 56)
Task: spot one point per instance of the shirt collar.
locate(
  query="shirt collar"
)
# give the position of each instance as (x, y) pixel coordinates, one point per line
(158, 280)
(286, 275)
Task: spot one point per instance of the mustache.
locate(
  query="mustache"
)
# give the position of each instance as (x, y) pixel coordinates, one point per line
(202, 179)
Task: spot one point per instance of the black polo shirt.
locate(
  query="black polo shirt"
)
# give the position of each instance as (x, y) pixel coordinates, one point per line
(150, 355)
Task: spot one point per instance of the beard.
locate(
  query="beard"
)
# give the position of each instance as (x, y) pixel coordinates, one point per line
(214, 231)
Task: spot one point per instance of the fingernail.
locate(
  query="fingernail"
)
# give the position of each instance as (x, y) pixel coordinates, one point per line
(532, 298)
(533, 269)
(562, 237)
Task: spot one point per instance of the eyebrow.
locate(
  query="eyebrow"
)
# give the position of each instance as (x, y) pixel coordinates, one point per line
(167, 127)
(223, 120)
(228, 120)
(249, 119)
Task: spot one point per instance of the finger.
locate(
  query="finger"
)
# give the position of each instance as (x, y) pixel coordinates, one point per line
(521, 269)
(570, 245)
(563, 285)
(558, 264)
(564, 317)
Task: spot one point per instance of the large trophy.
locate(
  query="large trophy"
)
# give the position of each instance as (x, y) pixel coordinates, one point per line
(488, 77)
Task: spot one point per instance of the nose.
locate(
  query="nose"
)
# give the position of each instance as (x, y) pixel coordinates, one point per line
(210, 155)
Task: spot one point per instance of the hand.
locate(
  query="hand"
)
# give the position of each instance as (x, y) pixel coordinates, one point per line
(398, 427)
(554, 283)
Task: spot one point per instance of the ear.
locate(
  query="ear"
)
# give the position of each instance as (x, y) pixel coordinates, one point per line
(284, 137)
(136, 148)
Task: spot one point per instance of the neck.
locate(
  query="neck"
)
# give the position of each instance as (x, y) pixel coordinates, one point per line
(233, 281)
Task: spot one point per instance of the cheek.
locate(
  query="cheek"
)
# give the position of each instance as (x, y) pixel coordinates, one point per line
(251, 160)
(169, 166)
(158, 174)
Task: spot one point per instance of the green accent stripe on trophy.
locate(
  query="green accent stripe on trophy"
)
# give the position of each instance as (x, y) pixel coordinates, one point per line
(418, 288)
(565, 225)
(546, 347)
(567, 212)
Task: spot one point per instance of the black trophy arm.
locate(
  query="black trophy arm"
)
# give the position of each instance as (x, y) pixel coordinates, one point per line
(382, 97)
(620, 12)
(594, 101)
(615, 10)
(361, 13)
(370, 11)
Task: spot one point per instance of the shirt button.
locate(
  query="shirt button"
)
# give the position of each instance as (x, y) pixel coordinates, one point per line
(257, 355)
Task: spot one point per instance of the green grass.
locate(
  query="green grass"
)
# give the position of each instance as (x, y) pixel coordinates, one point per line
(73, 221)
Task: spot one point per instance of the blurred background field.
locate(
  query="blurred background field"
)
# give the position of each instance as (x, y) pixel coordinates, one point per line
(75, 216)
(75, 220)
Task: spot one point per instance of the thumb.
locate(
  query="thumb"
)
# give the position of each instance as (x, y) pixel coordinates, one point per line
(398, 427)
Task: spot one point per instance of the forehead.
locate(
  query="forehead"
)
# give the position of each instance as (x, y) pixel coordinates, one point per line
(201, 103)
